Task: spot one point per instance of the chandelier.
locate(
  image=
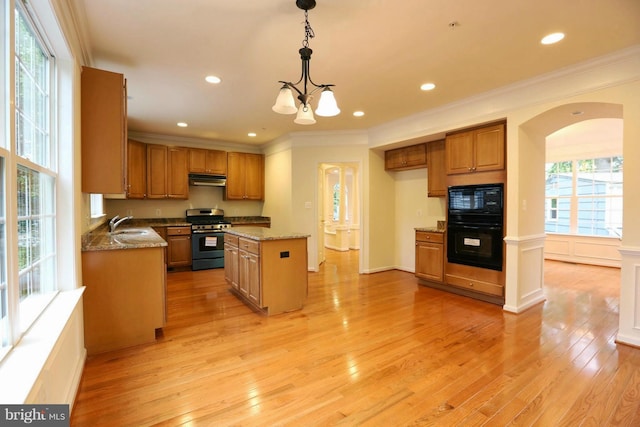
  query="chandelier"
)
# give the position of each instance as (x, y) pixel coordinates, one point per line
(285, 103)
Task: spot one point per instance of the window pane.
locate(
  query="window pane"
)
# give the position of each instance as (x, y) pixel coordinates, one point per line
(559, 179)
(36, 237)
(32, 95)
(558, 219)
(600, 216)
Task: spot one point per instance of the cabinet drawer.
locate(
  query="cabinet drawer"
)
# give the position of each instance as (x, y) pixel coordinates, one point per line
(475, 285)
(178, 231)
(249, 245)
(427, 236)
(230, 239)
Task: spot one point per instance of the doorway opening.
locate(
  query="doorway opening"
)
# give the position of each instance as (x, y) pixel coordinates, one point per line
(338, 209)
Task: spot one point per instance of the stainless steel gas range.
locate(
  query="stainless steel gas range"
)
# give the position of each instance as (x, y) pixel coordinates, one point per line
(207, 237)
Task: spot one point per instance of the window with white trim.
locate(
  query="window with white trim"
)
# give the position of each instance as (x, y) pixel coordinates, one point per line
(28, 275)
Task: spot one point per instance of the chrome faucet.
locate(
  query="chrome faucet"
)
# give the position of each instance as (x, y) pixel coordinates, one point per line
(116, 221)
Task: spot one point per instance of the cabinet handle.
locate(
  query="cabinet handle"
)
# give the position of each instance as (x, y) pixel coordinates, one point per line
(471, 284)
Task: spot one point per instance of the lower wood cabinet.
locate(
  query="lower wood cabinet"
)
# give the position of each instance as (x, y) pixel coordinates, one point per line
(125, 297)
(269, 275)
(430, 256)
(178, 246)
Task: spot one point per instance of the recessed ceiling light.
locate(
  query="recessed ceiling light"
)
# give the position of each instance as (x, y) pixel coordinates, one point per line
(213, 79)
(182, 124)
(252, 134)
(552, 38)
(358, 113)
(428, 86)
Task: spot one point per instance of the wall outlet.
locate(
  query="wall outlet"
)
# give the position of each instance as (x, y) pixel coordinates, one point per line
(158, 212)
(129, 212)
(419, 212)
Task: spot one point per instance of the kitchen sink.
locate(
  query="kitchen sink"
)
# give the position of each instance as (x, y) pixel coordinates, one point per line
(130, 232)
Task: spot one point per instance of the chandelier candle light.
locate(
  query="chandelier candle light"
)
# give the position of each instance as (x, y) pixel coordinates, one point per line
(285, 104)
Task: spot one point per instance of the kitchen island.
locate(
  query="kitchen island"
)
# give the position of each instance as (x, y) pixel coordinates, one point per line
(266, 268)
(124, 275)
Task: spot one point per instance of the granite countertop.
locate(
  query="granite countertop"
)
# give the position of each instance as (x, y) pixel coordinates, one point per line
(441, 227)
(127, 237)
(261, 233)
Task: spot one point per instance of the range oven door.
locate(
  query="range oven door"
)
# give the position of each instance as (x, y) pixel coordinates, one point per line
(207, 250)
(478, 245)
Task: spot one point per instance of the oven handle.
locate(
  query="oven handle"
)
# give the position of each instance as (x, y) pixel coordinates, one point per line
(474, 226)
(207, 232)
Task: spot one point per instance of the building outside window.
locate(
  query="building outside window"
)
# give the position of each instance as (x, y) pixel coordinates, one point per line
(28, 174)
(584, 197)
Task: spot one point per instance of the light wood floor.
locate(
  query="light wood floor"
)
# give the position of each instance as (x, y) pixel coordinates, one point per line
(374, 350)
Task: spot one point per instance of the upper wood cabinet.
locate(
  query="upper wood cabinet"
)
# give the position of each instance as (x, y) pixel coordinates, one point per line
(207, 161)
(104, 131)
(167, 172)
(476, 150)
(245, 176)
(436, 174)
(412, 157)
(136, 170)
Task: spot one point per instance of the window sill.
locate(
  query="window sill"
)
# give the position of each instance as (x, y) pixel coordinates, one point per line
(22, 366)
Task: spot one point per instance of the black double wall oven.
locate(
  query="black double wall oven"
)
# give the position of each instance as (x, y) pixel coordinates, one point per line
(475, 219)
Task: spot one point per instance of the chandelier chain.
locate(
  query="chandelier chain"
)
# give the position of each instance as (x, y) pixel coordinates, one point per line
(308, 31)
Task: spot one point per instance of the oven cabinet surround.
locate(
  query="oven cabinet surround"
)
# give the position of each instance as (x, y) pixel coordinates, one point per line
(267, 269)
(203, 161)
(429, 255)
(405, 158)
(476, 150)
(104, 131)
(124, 301)
(167, 172)
(245, 176)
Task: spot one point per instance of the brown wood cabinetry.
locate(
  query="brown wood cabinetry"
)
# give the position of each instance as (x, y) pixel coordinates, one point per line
(245, 176)
(436, 174)
(430, 256)
(124, 301)
(412, 157)
(104, 131)
(269, 275)
(178, 246)
(476, 150)
(136, 170)
(167, 173)
(212, 162)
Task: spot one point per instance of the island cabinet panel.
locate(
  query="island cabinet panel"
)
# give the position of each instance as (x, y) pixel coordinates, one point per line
(245, 176)
(430, 256)
(477, 150)
(203, 161)
(124, 301)
(103, 107)
(231, 261)
(269, 275)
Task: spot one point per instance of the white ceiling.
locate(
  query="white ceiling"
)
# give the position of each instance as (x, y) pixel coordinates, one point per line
(376, 52)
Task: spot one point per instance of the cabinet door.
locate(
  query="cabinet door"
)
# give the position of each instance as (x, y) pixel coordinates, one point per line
(234, 189)
(415, 156)
(197, 160)
(103, 136)
(243, 272)
(216, 162)
(489, 148)
(253, 276)
(436, 174)
(177, 173)
(136, 170)
(156, 171)
(393, 159)
(459, 153)
(231, 265)
(179, 251)
(254, 177)
(430, 261)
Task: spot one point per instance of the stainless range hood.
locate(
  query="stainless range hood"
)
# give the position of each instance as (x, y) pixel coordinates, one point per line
(207, 180)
